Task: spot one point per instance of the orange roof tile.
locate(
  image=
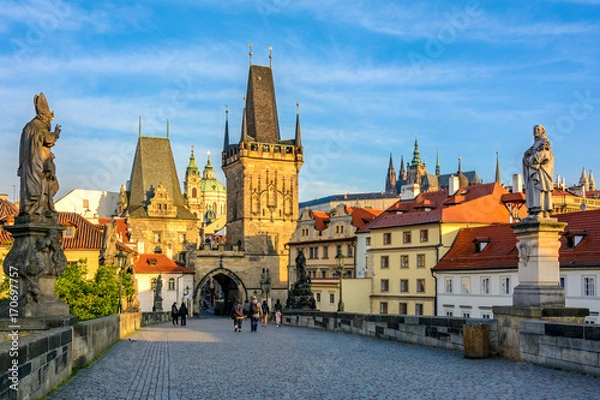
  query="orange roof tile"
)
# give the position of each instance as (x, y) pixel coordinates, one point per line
(321, 219)
(501, 251)
(477, 203)
(158, 264)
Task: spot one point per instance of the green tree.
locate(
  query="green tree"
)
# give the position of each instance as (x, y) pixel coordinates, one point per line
(127, 287)
(92, 298)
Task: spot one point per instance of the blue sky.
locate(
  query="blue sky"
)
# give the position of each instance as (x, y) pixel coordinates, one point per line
(466, 77)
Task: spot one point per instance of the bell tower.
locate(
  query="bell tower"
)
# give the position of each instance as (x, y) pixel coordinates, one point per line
(262, 173)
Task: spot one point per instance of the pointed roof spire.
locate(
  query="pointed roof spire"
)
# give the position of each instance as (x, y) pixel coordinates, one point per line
(498, 180)
(250, 53)
(192, 166)
(270, 57)
(298, 140)
(416, 161)
(140, 126)
(402, 172)
(592, 183)
(583, 179)
(437, 164)
(209, 172)
(390, 179)
(459, 165)
(226, 138)
(244, 137)
(167, 127)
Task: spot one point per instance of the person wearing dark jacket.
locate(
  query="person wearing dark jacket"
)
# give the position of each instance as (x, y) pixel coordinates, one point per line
(175, 314)
(238, 315)
(183, 312)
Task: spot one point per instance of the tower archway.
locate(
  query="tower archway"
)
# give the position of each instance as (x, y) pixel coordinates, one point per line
(230, 285)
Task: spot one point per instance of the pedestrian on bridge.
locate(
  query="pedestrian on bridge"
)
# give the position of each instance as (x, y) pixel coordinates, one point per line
(238, 315)
(265, 313)
(255, 314)
(175, 314)
(183, 312)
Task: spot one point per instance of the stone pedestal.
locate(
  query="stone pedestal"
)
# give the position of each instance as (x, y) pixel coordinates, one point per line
(33, 263)
(539, 271)
(539, 295)
(157, 304)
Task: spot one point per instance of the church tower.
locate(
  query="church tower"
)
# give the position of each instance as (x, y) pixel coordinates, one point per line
(262, 173)
(390, 179)
(190, 187)
(416, 168)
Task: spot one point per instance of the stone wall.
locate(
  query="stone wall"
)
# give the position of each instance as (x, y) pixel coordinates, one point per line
(440, 332)
(44, 361)
(91, 338)
(154, 317)
(573, 347)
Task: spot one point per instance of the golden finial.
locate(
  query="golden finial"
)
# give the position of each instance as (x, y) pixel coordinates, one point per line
(270, 57)
(250, 53)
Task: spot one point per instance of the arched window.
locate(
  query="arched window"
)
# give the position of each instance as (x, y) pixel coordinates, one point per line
(171, 283)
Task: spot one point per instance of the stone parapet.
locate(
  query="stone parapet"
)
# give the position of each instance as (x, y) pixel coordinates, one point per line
(440, 332)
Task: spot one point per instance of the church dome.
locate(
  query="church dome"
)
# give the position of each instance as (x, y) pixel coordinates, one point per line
(208, 182)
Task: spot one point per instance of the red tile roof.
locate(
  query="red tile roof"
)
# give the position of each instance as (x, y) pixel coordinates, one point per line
(321, 219)
(501, 251)
(88, 236)
(477, 203)
(158, 263)
(8, 210)
(122, 232)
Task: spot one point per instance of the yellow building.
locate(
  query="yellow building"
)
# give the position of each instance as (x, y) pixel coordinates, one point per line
(328, 241)
(409, 239)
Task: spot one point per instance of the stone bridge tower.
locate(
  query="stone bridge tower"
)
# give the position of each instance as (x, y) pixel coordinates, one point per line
(262, 173)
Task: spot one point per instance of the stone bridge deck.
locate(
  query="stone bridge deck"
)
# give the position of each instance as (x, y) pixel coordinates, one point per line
(207, 360)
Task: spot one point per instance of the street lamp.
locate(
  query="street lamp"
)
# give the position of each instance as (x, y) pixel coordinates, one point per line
(340, 263)
(265, 283)
(121, 260)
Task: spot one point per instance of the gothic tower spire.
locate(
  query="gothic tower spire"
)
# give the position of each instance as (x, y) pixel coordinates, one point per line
(437, 164)
(402, 173)
(592, 183)
(298, 140)
(226, 139)
(390, 179)
(583, 180)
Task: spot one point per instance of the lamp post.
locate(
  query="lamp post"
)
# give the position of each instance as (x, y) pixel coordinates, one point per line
(122, 259)
(340, 263)
(265, 283)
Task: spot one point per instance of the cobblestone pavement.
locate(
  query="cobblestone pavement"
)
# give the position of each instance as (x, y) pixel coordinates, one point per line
(208, 360)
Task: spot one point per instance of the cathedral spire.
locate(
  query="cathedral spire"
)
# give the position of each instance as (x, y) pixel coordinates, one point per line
(416, 161)
(437, 164)
(192, 166)
(498, 180)
(244, 137)
(226, 139)
(592, 183)
(390, 179)
(402, 173)
(209, 172)
(298, 141)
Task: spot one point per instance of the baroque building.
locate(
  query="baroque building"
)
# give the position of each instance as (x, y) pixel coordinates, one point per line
(205, 196)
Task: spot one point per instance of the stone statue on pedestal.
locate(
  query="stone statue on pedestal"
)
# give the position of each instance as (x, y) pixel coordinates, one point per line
(36, 163)
(301, 296)
(538, 173)
(37, 254)
(158, 294)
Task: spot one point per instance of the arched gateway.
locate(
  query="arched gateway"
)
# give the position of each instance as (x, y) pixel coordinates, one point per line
(231, 285)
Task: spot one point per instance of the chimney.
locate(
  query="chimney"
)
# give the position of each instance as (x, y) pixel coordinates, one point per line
(453, 185)
(517, 183)
(409, 192)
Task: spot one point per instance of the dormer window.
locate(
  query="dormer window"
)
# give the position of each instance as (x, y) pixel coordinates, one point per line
(69, 232)
(481, 244)
(574, 238)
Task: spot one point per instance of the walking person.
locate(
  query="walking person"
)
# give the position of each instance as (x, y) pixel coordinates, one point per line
(175, 314)
(255, 314)
(238, 315)
(265, 313)
(278, 312)
(183, 312)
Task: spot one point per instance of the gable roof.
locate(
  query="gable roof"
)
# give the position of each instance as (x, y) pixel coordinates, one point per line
(158, 264)
(477, 203)
(88, 236)
(501, 251)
